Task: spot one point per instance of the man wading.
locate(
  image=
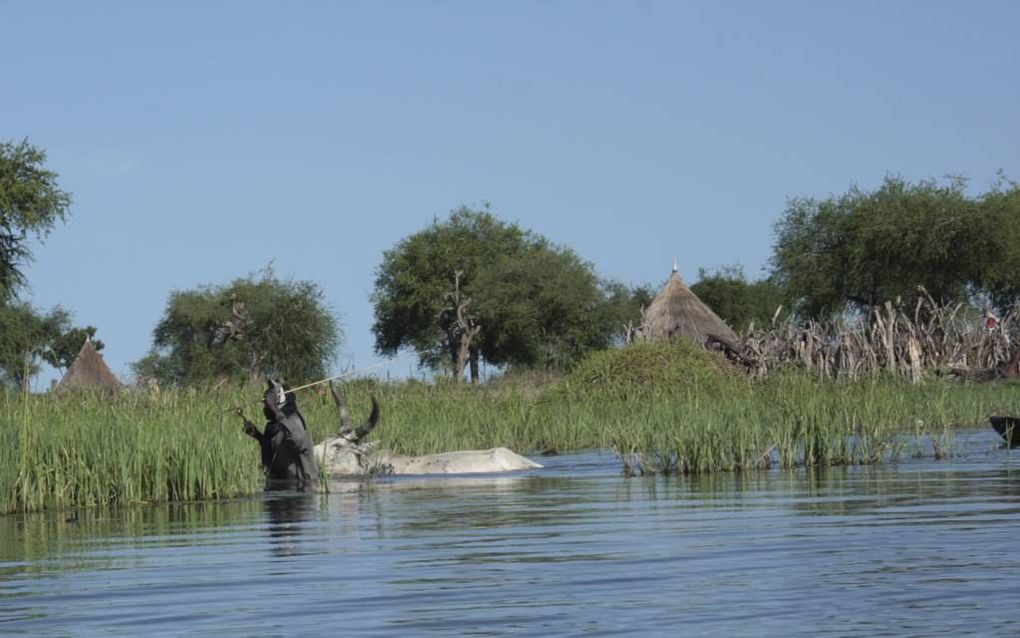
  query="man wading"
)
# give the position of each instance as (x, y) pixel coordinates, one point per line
(286, 445)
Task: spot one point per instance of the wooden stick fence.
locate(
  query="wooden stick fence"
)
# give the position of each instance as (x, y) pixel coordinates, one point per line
(894, 339)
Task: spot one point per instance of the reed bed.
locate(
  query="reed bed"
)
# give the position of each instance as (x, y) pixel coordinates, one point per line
(57, 452)
(82, 450)
(797, 421)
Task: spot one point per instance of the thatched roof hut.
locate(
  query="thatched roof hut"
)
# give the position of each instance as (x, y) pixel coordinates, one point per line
(89, 372)
(677, 312)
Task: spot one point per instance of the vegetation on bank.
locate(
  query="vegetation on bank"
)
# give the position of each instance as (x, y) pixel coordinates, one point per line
(474, 289)
(671, 408)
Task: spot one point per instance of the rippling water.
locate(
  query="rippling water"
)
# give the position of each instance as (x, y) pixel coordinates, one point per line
(918, 548)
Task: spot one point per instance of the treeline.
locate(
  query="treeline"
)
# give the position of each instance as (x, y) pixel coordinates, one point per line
(849, 254)
(31, 204)
(466, 289)
(472, 288)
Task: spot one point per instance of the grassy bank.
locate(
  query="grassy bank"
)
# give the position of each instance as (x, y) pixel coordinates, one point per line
(662, 410)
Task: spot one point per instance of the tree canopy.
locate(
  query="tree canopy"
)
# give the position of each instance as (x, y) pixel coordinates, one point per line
(416, 276)
(521, 300)
(863, 248)
(544, 308)
(1000, 243)
(736, 300)
(29, 338)
(254, 327)
(31, 204)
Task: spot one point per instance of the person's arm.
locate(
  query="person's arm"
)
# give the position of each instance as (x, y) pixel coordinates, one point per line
(249, 428)
(252, 430)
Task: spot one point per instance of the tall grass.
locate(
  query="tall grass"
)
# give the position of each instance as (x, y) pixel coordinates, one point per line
(57, 452)
(797, 421)
(82, 450)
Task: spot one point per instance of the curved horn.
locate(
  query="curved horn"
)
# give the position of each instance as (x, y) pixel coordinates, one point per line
(373, 420)
(341, 406)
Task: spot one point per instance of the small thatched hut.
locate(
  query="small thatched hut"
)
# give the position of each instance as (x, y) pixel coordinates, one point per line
(89, 372)
(677, 312)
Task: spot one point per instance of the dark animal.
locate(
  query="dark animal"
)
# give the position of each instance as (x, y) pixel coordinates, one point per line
(286, 445)
(1010, 369)
(1008, 428)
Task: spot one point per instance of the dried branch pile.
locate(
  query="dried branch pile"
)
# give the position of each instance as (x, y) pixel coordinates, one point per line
(893, 339)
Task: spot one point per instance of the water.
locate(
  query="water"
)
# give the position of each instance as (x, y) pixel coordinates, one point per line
(920, 548)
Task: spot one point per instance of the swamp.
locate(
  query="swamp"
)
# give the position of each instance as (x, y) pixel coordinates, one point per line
(705, 500)
(915, 547)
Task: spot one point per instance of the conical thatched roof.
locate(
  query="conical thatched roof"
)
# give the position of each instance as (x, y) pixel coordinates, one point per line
(89, 372)
(677, 312)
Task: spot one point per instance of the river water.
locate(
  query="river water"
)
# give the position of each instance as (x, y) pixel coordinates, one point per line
(922, 547)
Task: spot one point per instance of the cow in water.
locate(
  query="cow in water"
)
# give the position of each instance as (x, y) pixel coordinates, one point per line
(344, 454)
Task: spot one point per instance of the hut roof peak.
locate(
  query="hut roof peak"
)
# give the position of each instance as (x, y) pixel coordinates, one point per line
(677, 311)
(89, 371)
(675, 273)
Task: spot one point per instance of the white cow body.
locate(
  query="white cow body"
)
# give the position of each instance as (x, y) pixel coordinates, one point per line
(342, 458)
(343, 455)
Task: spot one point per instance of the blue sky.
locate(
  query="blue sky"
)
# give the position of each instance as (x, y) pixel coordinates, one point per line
(202, 141)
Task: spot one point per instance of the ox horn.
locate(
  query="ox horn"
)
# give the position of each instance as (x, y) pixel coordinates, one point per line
(373, 420)
(341, 406)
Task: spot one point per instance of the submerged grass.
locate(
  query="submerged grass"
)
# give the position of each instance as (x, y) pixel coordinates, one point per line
(58, 452)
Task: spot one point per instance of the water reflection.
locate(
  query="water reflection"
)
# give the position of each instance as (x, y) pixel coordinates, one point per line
(286, 514)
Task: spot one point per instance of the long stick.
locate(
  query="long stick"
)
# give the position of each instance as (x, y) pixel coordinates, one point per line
(354, 372)
(344, 375)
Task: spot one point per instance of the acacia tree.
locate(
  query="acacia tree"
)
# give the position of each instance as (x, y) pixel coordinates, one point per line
(249, 329)
(64, 346)
(30, 205)
(523, 301)
(416, 277)
(864, 248)
(545, 308)
(999, 231)
(29, 338)
(736, 300)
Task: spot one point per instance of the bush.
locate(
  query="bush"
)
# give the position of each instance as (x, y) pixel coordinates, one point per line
(675, 368)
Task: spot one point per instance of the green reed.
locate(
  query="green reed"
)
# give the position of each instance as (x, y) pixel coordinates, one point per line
(82, 450)
(85, 450)
(794, 420)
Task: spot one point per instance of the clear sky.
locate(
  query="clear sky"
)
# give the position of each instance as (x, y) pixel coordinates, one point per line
(204, 140)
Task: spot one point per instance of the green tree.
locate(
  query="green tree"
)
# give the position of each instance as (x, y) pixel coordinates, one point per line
(999, 232)
(64, 347)
(414, 281)
(623, 307)
(510, 295)
(30, 205)
(736, 300)
(864, 248)
(254, 327)
(29, 338)
(542, 308)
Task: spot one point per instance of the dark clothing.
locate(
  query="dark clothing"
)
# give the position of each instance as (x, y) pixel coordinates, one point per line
(287, 452)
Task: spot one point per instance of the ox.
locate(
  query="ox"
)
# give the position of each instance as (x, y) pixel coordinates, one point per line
(343, 454)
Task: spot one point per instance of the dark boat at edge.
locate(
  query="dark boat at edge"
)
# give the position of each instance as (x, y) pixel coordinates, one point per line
(1008, 428)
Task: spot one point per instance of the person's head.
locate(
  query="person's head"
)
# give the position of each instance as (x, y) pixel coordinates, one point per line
(275, 395)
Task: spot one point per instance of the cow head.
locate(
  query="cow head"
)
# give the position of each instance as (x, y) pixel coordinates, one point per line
(344, 451)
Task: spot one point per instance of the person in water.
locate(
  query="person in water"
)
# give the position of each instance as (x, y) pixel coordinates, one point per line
(286, 445)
